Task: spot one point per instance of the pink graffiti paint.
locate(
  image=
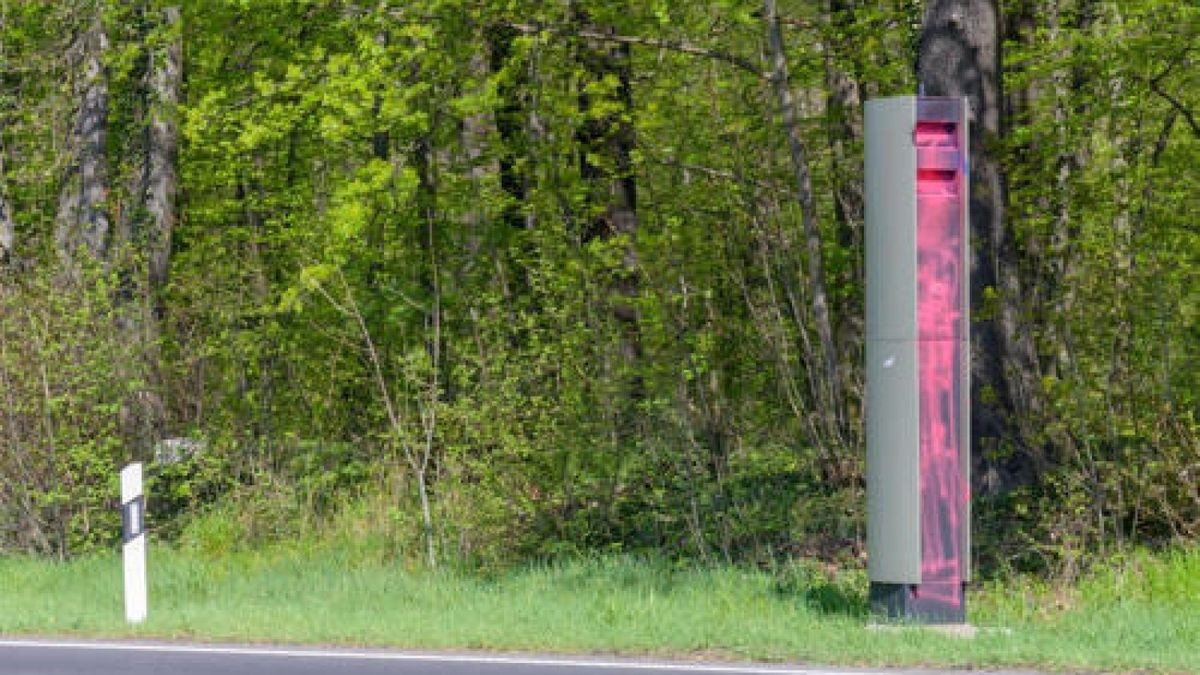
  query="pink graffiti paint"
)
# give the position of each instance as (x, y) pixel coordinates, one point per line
(939, 322)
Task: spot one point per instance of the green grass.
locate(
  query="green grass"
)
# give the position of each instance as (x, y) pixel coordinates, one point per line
(1143, 614)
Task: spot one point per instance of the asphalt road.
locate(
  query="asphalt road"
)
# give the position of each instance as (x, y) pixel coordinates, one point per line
(49, 657)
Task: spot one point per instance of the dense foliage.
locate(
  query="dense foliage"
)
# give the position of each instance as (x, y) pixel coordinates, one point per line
(499, 279)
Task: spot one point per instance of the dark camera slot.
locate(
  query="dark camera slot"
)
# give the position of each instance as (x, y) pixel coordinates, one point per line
(937, 181)
(935, 135)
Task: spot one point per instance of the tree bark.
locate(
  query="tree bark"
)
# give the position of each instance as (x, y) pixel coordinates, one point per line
(611, 139)
(845, 131)
(606, 145)
(162, 177)
(1060, 270)
(959, 55)
(83, 219)
(844, 107)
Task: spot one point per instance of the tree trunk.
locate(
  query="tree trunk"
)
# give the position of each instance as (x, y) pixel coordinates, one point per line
(829, 396)
(844, 112)
(475, 129)
(606, 145)
(162, 178)
(82, 213)
(845, 131)
(1060, 270)
(146, 229)
(959, 55)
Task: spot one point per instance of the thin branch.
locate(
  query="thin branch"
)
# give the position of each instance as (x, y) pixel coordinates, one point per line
(1178, 106)
(1161, 144)
(350, 309)
(1156, 86)
(681, 46)
(717, 174)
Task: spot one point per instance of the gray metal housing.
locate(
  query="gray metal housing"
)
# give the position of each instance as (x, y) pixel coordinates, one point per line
(892, 338)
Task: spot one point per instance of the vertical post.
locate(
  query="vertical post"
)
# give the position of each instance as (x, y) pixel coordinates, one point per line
(133, 538)
(917, 365)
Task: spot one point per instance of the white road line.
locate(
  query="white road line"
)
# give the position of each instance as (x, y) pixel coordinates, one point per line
(444, 658)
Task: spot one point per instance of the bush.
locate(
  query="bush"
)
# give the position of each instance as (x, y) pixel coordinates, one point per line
(68, 413)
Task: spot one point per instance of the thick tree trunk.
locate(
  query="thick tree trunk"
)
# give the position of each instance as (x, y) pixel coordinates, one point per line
(829, 396)
(83, 219)
(960, 56)
(162, 177)
(1060, 270)
(610, 139)
(605, 140)
(148, 227)
(606, 145)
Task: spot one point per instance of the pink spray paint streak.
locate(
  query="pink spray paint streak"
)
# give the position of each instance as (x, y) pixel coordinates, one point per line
(939, 321)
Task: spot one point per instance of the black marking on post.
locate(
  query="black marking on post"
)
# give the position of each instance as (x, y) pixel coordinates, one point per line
(133, 519)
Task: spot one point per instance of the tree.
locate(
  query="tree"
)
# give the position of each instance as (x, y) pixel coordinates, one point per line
(83, 219)
(524, 278)
(161, 178)
(828, 394)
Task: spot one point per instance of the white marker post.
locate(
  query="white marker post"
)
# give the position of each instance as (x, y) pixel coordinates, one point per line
(133, 538)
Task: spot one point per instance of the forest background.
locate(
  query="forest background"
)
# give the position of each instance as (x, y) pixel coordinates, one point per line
(497, 280)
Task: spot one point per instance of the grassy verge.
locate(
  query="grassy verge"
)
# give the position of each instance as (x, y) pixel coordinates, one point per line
(1142, 615)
